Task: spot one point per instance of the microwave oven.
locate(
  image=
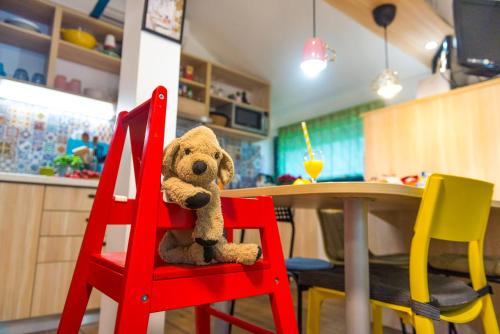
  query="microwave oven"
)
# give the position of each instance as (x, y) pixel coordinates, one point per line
(243, 118)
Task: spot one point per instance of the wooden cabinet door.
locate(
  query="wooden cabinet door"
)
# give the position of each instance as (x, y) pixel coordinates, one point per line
(51, 287)
(20, 214)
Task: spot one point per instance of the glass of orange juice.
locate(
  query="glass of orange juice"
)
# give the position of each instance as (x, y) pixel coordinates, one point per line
(313, 163)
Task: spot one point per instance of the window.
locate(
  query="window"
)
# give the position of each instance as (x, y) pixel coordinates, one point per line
(339, 135)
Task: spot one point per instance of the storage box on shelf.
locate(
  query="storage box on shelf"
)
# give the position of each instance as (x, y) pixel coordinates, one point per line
(50, 45)
(211, 84)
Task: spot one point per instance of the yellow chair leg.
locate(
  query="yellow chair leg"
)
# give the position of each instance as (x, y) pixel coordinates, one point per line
(377, 319)
(423, 325)
(315, 298)
(488, 316)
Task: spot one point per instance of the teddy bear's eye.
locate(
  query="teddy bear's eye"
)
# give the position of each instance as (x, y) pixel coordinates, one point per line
(187, 151)
(217, 155)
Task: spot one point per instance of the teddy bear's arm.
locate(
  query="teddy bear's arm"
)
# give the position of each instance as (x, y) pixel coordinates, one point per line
(185, 194)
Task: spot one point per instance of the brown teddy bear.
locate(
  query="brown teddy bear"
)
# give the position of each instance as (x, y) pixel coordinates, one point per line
(191, 166)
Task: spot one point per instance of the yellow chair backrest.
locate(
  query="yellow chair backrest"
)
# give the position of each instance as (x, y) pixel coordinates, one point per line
(453, 209)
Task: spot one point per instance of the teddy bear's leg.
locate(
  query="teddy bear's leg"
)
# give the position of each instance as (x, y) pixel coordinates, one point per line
(185, 194)
(239, 253)
(192, 254)
(177, 246)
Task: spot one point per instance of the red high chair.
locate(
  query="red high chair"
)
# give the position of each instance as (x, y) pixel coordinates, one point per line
(137, 279)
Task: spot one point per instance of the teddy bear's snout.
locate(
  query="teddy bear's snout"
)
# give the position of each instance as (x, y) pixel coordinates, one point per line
(199, 167)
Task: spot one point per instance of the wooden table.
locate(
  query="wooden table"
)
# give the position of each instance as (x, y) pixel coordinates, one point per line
(356, 198)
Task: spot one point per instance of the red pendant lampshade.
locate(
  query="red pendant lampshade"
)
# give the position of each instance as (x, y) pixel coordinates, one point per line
(316, 53)
(314, 57)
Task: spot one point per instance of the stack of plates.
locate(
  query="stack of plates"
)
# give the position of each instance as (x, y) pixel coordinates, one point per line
(23, 23)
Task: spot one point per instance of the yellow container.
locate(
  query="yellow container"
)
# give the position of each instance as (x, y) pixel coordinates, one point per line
(79, 37)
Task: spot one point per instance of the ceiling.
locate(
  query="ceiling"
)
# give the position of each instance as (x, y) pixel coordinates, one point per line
(266, 38)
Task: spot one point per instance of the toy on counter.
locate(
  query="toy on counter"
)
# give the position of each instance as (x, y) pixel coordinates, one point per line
(191, 164)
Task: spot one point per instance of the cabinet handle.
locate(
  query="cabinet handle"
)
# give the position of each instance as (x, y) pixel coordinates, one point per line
(91, 195)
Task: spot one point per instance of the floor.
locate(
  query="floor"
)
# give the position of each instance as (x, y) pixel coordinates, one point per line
(256, 310)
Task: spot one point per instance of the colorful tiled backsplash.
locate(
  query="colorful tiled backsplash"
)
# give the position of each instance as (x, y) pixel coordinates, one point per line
(32, 136)
(246, 156)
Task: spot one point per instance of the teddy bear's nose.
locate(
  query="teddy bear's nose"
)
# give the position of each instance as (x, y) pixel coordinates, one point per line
(199, 167)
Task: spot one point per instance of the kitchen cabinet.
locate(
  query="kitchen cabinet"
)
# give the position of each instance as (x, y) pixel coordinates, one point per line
(41, 231)
(20, 213)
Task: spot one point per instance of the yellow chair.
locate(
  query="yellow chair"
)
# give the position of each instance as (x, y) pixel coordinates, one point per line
(452, 209)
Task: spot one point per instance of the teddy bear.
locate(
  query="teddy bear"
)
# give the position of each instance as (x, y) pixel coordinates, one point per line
(191, 166)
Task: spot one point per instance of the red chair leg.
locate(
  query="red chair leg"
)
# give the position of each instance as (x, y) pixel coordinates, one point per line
(74, 309)
(132, 318)
(282, 306)
(202, 319)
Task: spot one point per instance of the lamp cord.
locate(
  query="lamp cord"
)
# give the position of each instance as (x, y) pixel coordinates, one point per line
(386, 49)
(314, 18)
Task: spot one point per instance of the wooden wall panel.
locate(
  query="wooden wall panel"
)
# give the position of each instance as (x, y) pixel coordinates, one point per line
(457, 133)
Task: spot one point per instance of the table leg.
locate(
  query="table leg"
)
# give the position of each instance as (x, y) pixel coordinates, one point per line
(356, 266)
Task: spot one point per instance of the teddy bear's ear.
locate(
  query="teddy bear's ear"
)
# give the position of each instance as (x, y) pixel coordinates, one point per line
(226, 168)
(169, 155)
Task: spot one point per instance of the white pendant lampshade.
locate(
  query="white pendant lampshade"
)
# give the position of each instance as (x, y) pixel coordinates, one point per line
(387, 84)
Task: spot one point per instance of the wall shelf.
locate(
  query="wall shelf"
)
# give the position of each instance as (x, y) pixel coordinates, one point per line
(235, 133)
(217, 101)
(191, 83)
(88, 57)
(24, 38)
(51, 46)
(214, 75)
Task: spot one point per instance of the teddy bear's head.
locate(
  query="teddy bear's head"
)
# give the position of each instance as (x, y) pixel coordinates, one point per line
(197, 158)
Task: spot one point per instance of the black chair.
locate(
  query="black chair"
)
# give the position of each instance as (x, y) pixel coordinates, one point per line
(294, 265)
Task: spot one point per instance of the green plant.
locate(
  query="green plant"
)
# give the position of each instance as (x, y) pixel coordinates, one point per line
(76, 162)
(66, 160)
(62, 160)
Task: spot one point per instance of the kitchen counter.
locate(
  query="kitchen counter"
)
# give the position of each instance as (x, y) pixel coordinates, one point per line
(47, 180)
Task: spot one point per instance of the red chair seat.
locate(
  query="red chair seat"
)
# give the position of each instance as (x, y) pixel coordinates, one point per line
(116, 261)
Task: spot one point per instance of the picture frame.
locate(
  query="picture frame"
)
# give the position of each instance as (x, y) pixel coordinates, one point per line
(165, 18)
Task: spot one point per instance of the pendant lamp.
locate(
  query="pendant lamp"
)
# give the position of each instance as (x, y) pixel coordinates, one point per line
(387, 84)
(316, 53)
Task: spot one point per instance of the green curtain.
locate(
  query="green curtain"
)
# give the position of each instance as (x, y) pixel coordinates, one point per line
(339, 135)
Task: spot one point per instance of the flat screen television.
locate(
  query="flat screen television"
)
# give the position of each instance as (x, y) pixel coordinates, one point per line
(477, 29)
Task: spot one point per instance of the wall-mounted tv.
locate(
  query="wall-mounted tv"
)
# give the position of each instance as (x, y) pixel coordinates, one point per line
(477, 29)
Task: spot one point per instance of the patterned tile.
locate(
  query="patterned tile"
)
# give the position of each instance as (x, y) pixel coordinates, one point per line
(31, 136)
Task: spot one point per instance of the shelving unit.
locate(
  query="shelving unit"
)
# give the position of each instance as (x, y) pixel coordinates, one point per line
(88, 57)
(208, 75)
(51, 45)
(24, 38)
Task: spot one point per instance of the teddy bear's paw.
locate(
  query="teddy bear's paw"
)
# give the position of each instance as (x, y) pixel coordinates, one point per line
(198, 201)
(249, 254)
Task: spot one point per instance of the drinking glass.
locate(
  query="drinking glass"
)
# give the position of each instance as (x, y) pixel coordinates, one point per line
(313, 163)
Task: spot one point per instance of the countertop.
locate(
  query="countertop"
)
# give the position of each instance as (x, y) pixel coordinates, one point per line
(47, 180)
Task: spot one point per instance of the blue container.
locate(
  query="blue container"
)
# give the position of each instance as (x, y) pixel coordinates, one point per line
(21, 74)
(2, 71)
(38, 78)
